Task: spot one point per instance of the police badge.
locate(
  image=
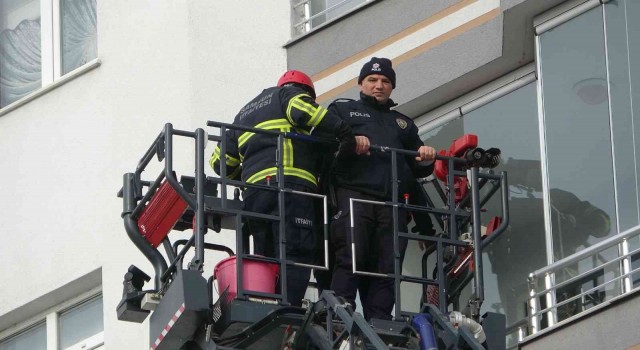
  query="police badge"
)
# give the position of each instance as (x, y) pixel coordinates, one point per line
(401, 123)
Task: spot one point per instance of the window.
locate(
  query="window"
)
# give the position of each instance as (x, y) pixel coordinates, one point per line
(82, 326)
(74, 325)
(509, 123)
(20, 59)
(78, 33)
(41, 41)
(32, 339)
(577, 130)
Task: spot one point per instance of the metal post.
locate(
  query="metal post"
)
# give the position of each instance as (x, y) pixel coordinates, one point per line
(353, 236)
(200, 228)
(397, 269)
(223, 168)
(128, 193)
(550, 297)
(477, 238)
(239, 257)
(442, 291)
(282, 224)
(325, 206)
(533, 304)
(626, 267)
(453, 227)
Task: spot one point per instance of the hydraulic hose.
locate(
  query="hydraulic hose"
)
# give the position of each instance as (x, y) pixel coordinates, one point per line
(422, 322)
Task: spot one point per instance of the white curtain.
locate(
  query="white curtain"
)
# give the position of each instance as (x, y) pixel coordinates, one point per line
(20, 56)
(20, 63)
(79, 33)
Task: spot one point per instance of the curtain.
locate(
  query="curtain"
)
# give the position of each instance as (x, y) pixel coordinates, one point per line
(79, 33)
(20, 61)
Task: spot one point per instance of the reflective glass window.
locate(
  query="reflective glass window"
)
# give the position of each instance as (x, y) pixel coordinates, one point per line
(620, 39)
(578, 135)
(33, 339)
(81, 323)
(510, 124)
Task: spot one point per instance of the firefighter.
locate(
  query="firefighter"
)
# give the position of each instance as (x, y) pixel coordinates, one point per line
(290, 106)
(367, 175)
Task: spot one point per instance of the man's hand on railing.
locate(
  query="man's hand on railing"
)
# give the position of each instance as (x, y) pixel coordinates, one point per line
(362, 145)
(426, 153)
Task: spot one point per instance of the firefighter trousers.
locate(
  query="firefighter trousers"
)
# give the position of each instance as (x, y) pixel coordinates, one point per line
(300, 241)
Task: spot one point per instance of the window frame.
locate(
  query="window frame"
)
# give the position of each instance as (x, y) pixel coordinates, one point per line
(51, 55)
(50, 318)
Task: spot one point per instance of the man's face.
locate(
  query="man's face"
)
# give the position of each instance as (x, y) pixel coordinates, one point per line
(378, 86)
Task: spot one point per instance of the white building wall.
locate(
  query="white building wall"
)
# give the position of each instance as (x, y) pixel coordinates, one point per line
(64, 153)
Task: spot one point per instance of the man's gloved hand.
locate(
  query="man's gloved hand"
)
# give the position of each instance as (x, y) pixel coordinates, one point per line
(345, 137)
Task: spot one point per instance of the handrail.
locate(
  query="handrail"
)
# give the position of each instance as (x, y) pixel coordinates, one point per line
(605, 244)
(452, 213)
(303, 21)
(551, 287)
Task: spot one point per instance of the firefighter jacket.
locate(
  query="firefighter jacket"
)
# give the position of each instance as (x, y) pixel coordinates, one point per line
(371, 174)
(252, 156)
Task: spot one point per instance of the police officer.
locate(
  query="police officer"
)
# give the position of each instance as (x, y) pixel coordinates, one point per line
(367, 175)
(288, 107)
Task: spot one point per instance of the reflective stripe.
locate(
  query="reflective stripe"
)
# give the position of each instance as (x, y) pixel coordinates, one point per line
(244, 138)
(317, 117)
(231, 161)
(287, 152)
(301, 131)
(299, 104)
(212, 161)
(267, 125)
(288, 171)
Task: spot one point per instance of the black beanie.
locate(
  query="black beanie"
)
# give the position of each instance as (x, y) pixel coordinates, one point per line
(378, 66)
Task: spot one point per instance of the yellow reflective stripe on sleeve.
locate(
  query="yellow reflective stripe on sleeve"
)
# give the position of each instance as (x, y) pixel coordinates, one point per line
(231, 161)
(267, 125)
(298, 103)
(301, 131)
(214, 158)
(244, 138)
(317, 117)
(288, 171)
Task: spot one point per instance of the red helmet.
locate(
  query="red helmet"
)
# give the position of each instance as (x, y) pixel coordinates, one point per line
(296, 76)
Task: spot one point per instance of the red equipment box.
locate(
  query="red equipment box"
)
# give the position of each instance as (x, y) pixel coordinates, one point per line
(162, 213)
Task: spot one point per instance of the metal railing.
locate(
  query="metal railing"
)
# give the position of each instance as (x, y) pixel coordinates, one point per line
(307, 17)
(545, 315)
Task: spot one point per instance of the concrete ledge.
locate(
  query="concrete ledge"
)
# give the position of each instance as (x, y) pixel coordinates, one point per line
(610, 325)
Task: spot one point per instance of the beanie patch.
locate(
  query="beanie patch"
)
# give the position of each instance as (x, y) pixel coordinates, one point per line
(380, 66)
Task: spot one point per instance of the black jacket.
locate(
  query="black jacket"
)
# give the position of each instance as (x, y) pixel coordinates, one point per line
(252, 157)
(384, 127)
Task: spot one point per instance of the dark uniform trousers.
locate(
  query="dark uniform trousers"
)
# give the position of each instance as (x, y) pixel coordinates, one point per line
(299, 234)
(374, 252)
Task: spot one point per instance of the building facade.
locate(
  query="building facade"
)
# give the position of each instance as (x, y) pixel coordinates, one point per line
(85, 87)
